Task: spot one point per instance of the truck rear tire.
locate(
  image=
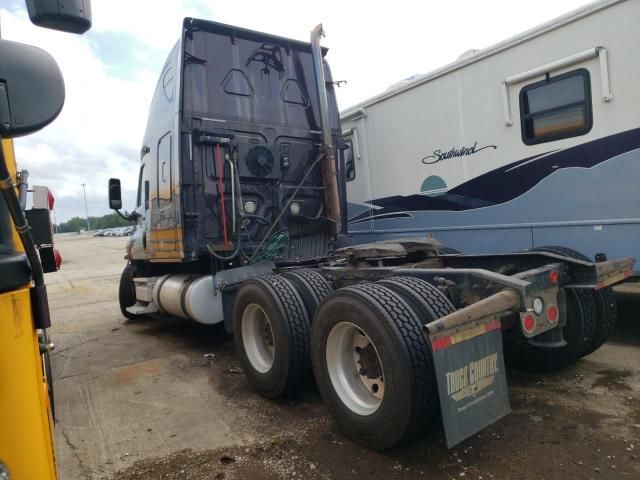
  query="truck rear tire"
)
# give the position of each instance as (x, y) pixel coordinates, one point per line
(605, 302)
(423, 297)
(271, 335)
(577, 332)
(373, 365)
(606, 317)
(126, 290)
(312, 287)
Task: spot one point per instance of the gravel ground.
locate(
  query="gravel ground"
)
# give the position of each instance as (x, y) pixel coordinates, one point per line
(163, 398)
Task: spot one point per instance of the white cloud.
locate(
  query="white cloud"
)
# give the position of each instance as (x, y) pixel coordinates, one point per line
(98, 133)
(373, 44)
(155, 24)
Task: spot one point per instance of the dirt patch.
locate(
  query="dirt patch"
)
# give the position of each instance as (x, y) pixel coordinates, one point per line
(537, 441)
(128, 373)
(613, 379)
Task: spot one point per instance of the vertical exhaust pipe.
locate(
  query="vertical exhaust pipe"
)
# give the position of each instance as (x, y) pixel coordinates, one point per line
(329, 173)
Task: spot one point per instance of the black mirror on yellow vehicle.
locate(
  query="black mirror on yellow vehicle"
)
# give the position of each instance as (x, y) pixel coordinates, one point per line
(31, 89)
(115, 194)
(72, 16)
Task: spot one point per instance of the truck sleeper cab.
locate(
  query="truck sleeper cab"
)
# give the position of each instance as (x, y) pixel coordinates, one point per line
(234, 132)
(233, 127)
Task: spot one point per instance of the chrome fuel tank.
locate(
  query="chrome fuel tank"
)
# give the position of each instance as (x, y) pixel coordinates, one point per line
(189, 296)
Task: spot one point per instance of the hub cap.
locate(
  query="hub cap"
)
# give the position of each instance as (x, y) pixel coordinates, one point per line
(354, 368)
(257, 338)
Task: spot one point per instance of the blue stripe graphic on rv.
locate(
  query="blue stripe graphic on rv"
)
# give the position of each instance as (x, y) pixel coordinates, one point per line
(592, 210)
(508, 182)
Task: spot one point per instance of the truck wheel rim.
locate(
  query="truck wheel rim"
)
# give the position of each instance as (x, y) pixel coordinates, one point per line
(354, 368)
(257, 338)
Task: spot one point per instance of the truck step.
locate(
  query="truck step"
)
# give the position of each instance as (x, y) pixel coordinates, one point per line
(142, 308)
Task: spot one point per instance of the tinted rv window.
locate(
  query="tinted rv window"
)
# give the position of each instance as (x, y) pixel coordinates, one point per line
(556, 108)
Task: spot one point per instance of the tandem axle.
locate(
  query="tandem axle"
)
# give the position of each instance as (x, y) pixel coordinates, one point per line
(398, 310)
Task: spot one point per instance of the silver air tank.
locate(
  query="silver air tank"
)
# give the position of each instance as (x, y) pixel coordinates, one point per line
(189, 296)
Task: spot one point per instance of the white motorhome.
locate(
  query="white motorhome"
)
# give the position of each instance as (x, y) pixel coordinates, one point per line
(533, 141)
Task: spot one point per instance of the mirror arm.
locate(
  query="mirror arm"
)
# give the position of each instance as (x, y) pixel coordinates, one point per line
(132, 217)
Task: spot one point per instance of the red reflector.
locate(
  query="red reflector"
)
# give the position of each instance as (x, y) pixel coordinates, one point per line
(492, 325)
(552, 314)
(553, 277)
(529, 323)
(441, 343)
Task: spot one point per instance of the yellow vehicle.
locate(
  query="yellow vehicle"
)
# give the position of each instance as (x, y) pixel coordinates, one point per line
(31, 97)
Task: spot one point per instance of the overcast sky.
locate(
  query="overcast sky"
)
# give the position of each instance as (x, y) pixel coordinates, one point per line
(111, 71)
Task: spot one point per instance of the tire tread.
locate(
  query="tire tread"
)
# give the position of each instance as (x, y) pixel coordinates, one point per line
(296, 325)
(404, 319)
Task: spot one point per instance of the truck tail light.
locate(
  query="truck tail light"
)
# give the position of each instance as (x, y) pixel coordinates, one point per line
(552, 314)
(528, 323)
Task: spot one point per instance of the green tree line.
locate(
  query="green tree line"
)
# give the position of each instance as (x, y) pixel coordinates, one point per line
(96, 223)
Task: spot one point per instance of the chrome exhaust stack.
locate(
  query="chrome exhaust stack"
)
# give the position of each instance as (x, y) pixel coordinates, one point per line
(329, 173)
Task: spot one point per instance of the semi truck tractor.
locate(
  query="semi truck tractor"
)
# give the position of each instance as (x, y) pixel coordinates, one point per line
(240, 220)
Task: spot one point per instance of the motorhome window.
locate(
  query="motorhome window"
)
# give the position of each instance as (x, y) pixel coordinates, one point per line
(139, 199)
(557, 107)
(349, 163)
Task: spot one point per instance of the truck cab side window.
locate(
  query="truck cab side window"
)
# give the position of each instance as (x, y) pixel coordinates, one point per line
(139, 198)
(556, 108)
(349, 162)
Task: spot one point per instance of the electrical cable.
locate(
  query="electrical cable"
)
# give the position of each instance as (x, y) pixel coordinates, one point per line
(222, 258)
(220, 167)
(286, 207)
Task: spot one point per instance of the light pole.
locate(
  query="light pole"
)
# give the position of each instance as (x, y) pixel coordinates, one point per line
(86, 211)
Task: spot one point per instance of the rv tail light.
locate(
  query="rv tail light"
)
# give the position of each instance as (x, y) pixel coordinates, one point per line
(529, 323)
(553, 277)
(552, 314)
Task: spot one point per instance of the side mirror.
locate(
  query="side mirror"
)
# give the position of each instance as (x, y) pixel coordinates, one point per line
(72, 16)
(31, 89)
(115, 194)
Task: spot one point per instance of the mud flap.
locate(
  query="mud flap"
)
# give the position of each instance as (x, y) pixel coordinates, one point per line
(471, 378)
